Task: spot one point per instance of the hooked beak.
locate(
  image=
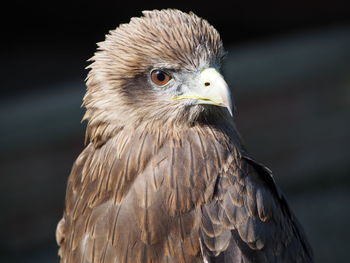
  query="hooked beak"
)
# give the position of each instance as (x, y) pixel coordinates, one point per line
(210, 88)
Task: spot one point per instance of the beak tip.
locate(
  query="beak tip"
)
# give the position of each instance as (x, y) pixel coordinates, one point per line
(229, 108)
(230, 111)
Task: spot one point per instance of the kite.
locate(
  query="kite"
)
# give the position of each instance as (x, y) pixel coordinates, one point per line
(164, 176)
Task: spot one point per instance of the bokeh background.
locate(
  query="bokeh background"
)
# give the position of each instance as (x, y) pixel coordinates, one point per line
(288, 66)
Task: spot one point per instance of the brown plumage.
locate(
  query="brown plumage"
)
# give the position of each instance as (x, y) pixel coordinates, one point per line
(164, 177)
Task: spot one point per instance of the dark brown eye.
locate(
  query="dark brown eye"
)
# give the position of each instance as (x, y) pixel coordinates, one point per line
(160, 78)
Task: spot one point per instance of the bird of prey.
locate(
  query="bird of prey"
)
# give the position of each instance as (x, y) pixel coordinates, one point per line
(164, 176)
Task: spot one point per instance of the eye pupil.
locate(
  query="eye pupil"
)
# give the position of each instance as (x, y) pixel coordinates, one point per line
(159, 77)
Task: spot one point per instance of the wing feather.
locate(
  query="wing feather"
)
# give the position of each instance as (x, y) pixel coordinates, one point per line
(262, 227)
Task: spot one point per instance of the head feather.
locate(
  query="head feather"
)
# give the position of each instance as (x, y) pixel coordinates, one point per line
(160, 38)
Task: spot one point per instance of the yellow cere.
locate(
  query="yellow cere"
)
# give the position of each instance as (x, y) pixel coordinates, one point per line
(181, 97)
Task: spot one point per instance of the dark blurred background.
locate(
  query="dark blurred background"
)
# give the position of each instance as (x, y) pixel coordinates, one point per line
(289, 68)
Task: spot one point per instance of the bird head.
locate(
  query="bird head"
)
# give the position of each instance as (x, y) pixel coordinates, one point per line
(163, 67)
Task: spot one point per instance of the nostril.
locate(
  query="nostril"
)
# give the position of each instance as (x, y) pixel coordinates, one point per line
(206, 84)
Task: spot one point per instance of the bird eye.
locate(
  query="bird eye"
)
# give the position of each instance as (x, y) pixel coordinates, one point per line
(160, 78)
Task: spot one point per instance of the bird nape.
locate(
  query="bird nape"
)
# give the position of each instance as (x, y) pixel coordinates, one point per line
(164, 176)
